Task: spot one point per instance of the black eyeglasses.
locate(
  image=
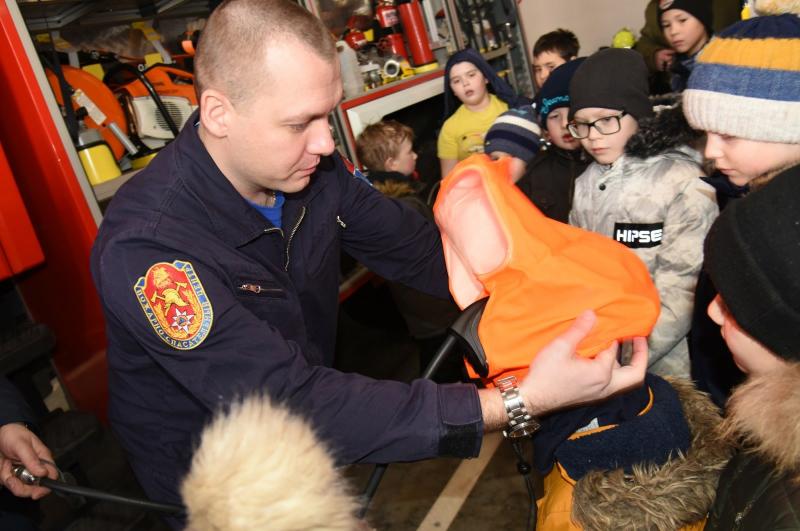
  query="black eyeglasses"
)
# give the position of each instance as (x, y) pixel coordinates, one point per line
(605, 126)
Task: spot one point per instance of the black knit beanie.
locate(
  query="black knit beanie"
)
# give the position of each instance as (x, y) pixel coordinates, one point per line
(699, 9)
(614, 78)
(555, 91)
(752, 254)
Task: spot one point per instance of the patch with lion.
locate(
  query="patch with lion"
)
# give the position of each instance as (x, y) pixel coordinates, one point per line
(175, 304)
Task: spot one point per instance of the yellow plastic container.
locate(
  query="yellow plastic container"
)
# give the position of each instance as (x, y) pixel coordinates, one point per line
(98, 162)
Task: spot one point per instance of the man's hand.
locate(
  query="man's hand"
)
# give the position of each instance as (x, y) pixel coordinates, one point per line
(663, 59)
(19, 445)
(560, 378)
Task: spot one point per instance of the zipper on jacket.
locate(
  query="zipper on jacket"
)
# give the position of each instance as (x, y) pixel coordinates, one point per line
(257, 288)
(291, 235)
(340, 222)
(737, 521)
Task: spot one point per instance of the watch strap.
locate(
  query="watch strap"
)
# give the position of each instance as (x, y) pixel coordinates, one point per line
(520, 422)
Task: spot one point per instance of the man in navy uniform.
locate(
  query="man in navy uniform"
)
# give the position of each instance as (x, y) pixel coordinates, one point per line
(218, 269)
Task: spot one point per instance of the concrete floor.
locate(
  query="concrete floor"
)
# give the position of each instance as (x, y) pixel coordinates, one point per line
(450, 494)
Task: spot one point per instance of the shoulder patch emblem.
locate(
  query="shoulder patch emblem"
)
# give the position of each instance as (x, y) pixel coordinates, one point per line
(351, 168)
(175, 304)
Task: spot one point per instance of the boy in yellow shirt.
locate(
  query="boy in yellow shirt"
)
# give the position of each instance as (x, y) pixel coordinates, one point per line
(483, 96)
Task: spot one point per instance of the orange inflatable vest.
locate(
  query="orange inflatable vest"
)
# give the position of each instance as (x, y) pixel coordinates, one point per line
(539, 274)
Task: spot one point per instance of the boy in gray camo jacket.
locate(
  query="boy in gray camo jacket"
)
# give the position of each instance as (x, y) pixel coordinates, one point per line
(643, 189)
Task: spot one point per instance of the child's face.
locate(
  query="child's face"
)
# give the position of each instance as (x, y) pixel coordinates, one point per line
(749, 355)
(743, 160)
(606, 148)
(543, 64)
(516, 167)
(468, 83)
(684, 33)
(557, 129)
(405, 160)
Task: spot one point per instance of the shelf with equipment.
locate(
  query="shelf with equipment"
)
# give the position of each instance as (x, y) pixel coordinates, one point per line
(444, 30)
(51, 15)
(495, 29)
(355, 114)
(45, 159)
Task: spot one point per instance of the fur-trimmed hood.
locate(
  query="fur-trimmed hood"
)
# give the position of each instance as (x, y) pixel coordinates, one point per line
(763, 414)
(666, 130)
(668, 497)
(261, 467)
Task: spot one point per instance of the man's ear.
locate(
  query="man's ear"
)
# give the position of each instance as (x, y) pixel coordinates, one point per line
(216, 112)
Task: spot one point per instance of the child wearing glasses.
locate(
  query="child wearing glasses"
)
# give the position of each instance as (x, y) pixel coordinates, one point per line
(643, 189)
(546, 176)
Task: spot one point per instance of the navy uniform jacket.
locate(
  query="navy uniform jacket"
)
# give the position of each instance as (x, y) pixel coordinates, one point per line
(235, 305)
(12, 406)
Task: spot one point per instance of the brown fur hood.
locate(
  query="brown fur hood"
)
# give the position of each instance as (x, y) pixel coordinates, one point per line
(261, 467)
(666, 497)
(763, 414)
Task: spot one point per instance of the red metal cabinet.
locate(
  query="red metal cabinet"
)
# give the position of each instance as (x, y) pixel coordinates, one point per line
(62, 212)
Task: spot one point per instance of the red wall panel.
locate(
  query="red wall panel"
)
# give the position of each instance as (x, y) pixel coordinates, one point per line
(60, 293)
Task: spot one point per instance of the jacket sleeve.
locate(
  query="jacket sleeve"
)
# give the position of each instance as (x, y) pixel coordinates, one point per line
(651, 39)
(13, 407)
(391, 238)
(363, 419)
(688, 218)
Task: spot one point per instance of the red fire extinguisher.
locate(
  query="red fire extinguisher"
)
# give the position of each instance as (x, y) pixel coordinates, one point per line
(414, 27)
(386, 14)
(355, 39)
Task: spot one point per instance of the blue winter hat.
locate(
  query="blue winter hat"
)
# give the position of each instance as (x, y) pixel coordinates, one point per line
(498, 85)
(515, 132)
(555, 91)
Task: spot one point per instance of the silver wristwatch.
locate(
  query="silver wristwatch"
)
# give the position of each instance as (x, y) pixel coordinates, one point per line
(520, 422)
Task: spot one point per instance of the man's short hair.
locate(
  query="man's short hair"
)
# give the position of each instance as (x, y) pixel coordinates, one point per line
(236, 40)
(380, 141)
(561, 41)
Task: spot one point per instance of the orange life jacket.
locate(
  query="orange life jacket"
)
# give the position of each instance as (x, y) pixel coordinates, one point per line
(539, 274)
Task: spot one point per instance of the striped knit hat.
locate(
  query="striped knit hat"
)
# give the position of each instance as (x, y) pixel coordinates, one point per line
(746, 82)
(515, 132)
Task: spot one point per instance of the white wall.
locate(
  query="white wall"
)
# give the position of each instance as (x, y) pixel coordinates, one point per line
(593, 21)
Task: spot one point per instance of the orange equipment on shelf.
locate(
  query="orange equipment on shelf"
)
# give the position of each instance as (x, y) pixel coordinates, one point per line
(175, 87)
(98, 94)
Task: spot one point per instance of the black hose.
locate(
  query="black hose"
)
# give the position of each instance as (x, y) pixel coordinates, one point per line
(372, 486)
(66, 94)
(150, 89)
(524, 468)
(105, 496)
(379, 470)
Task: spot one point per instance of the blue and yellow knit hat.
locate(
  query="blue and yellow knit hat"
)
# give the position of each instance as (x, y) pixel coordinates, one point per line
(515, 132)
(746, 82)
